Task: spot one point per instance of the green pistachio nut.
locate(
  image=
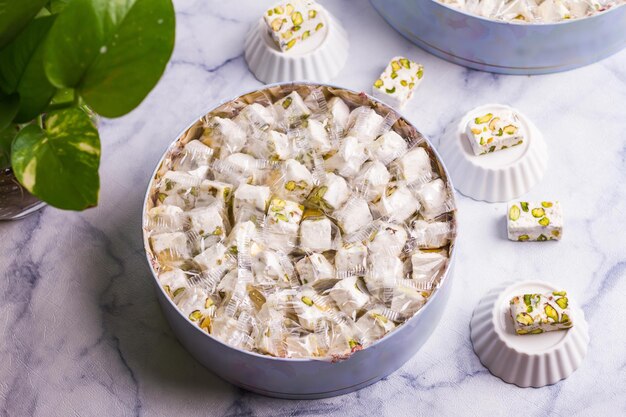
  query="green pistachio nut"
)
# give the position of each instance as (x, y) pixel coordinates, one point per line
(524, 205)
(514, 212)
(551, 313)
(306, 300)
(538, 212)
(524, 319)
(562, 302)
(544, 221)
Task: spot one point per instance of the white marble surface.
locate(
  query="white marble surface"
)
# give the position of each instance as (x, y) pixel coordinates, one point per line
(80, 329)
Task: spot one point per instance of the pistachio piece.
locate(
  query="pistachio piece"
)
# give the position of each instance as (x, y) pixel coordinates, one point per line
(218, 231)
(306, 300)
(391, 90)
(289, 8)
(291, 43)
(378, 83)
(296, 18)
(562, 302)
(205, 324)
(420, 74)
(476, 131)
(281, 217)
(536, 331)
(493, 123)
(565, 318)
(353, 343)
(403, 83)
(527, 299)
(178, 291)
(551, 313)
(290, 185)
(514, 212)
(312, 14)
(380, 318)
(524, 318)
(544, 221)
(524, 205)
(559, 293)
(523, 238)
(395, 65)
(492, 148)
(546, 204)
(319, 26)
(394, 75)
(161, 197)
(510, 129)
(276, 24)
(195, 315)
(405, 63)
(279, 10)
(483, 119)
(306, 34)
(208, 302)
(542, 238)
(522, 331)
(538, 212)
(287, 102)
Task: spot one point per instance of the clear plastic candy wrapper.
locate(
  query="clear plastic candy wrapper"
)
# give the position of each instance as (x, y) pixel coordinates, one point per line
(300, 221)
(534, 11)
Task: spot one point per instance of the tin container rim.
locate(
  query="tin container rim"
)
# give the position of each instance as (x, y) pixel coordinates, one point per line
(436, 291)
(535, 24)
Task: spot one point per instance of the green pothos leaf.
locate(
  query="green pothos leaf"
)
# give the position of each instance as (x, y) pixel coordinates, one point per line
(14, 15)
(115, 63)
(9, 105)
(59, 163)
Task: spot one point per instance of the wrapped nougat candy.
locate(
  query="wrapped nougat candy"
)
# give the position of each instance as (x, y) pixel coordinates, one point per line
(310, 308)
(170, 248)
(349, 158)
(314, 268)
(255, 197)
(256, 118)
(212, 257)
(365, 124)
(291, 110)
(387, 239)
(306, 346)
(372, 180)
(281, 229)
(316, 233)
(332, 194)
(376, 323)
(414, 166)
(164, 218)
(351, 258)
(493, 131)
(407, 299)
(434, 198)
(397, 202)
(426, 266)
(382, 274)
(340, 114)
(174, 281)
(294, 181)
(198, 306)
(194, 158)
(293, 22)
(224, 136)
(431, 235)
(538, 313)
(535, 221)
(318, 136)
(396, 84)
(388, 147)
(354, 215)
(350, 294)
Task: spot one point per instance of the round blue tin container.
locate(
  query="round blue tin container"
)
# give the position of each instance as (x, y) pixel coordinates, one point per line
(504, 47)
(307, 378)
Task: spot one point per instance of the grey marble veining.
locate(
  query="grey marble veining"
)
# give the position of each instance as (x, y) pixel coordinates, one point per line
(81, 333)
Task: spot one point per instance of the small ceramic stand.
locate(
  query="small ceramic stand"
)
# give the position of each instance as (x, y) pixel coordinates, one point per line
(318, 59)
(499, 176)
(529, 360)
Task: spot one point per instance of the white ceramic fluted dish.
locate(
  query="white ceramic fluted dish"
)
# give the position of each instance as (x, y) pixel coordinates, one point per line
(529, 360)
(499, 176)
(318, 59)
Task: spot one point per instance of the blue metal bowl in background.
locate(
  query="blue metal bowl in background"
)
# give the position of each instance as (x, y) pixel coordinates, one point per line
(306, 378)
(504, 47)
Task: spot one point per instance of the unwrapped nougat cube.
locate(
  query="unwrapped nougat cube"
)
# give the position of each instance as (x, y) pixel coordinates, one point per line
(293, 22)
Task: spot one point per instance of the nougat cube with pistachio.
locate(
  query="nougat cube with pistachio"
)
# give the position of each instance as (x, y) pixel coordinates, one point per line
(294, 22)
(396, 84)
(492, 131)
(534, 221)
(539, 313)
